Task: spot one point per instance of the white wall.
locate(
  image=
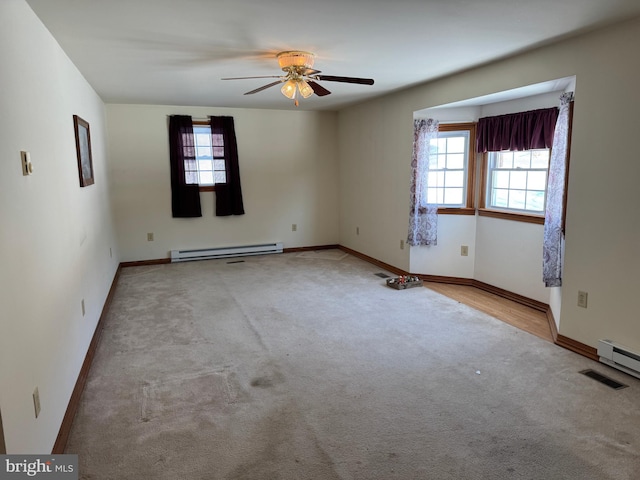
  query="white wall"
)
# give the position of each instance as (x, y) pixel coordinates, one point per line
(288, 168)
(509, 256)
(55, 236)
(602, 225)
(444, 259)
(374, 178)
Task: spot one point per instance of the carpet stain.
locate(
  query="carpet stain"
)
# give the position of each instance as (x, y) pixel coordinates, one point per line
(280, 439)
(262, 382)
(268, 381)
(184, 394)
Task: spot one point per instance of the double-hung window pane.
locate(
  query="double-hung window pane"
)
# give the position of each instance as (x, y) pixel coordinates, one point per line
(518, 180)
(447, 178)
(208, 167)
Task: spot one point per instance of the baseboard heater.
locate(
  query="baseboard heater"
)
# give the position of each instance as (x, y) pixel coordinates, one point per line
(225, 252)
(619, 357)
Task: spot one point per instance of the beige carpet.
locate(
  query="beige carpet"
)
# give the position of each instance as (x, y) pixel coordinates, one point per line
(306, 366)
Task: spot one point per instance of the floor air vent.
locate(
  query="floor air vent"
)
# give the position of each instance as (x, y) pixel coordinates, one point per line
(381, 275)
(609, 382)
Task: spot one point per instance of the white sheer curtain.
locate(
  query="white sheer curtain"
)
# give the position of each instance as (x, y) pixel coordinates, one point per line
(554, 213)
(423, 220)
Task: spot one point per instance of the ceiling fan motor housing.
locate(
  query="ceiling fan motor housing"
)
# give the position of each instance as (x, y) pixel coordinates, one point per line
(295, 60)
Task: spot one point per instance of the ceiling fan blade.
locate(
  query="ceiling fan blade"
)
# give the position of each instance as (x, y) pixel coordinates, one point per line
(263, 88)
(318, 89)
(310, 71)
(244, 78)
(331, 78)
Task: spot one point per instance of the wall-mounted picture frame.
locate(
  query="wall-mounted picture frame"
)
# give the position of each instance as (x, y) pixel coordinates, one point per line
(83, 150)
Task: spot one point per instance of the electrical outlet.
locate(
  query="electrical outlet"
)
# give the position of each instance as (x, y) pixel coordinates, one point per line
(357, 230)
(27, 167)
(294, 227)
(150, 237)
(582, 299)
(110, 253)
(82, 304)
(401, 244)
(464, 250)
(36, 402)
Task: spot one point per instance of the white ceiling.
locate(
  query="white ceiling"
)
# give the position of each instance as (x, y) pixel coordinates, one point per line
(170, 52)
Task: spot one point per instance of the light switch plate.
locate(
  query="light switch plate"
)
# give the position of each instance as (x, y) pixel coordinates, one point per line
(582, 299)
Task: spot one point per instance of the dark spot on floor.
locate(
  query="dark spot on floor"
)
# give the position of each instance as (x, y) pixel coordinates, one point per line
(262, 382)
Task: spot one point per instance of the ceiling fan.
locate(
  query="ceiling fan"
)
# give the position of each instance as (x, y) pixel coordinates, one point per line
(300, 77)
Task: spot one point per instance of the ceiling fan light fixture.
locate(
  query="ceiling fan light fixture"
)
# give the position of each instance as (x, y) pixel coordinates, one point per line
(305, 89)
(289, 89)
(295, 58)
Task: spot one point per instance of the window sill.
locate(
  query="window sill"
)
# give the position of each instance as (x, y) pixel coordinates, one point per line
(456, 211)
(518, 217)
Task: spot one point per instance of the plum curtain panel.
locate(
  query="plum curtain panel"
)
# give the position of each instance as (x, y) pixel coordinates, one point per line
(185, 197)
(516, 131)
(423, 219)
(229, 194)
(554, 214)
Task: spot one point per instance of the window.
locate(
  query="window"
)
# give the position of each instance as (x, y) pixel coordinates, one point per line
(452, 168)
(517, 181)
(209, 166)
(204, 159)
(516, 163)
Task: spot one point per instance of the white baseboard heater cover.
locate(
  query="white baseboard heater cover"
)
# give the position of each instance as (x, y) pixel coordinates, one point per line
(225, 252)
(617, 356)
